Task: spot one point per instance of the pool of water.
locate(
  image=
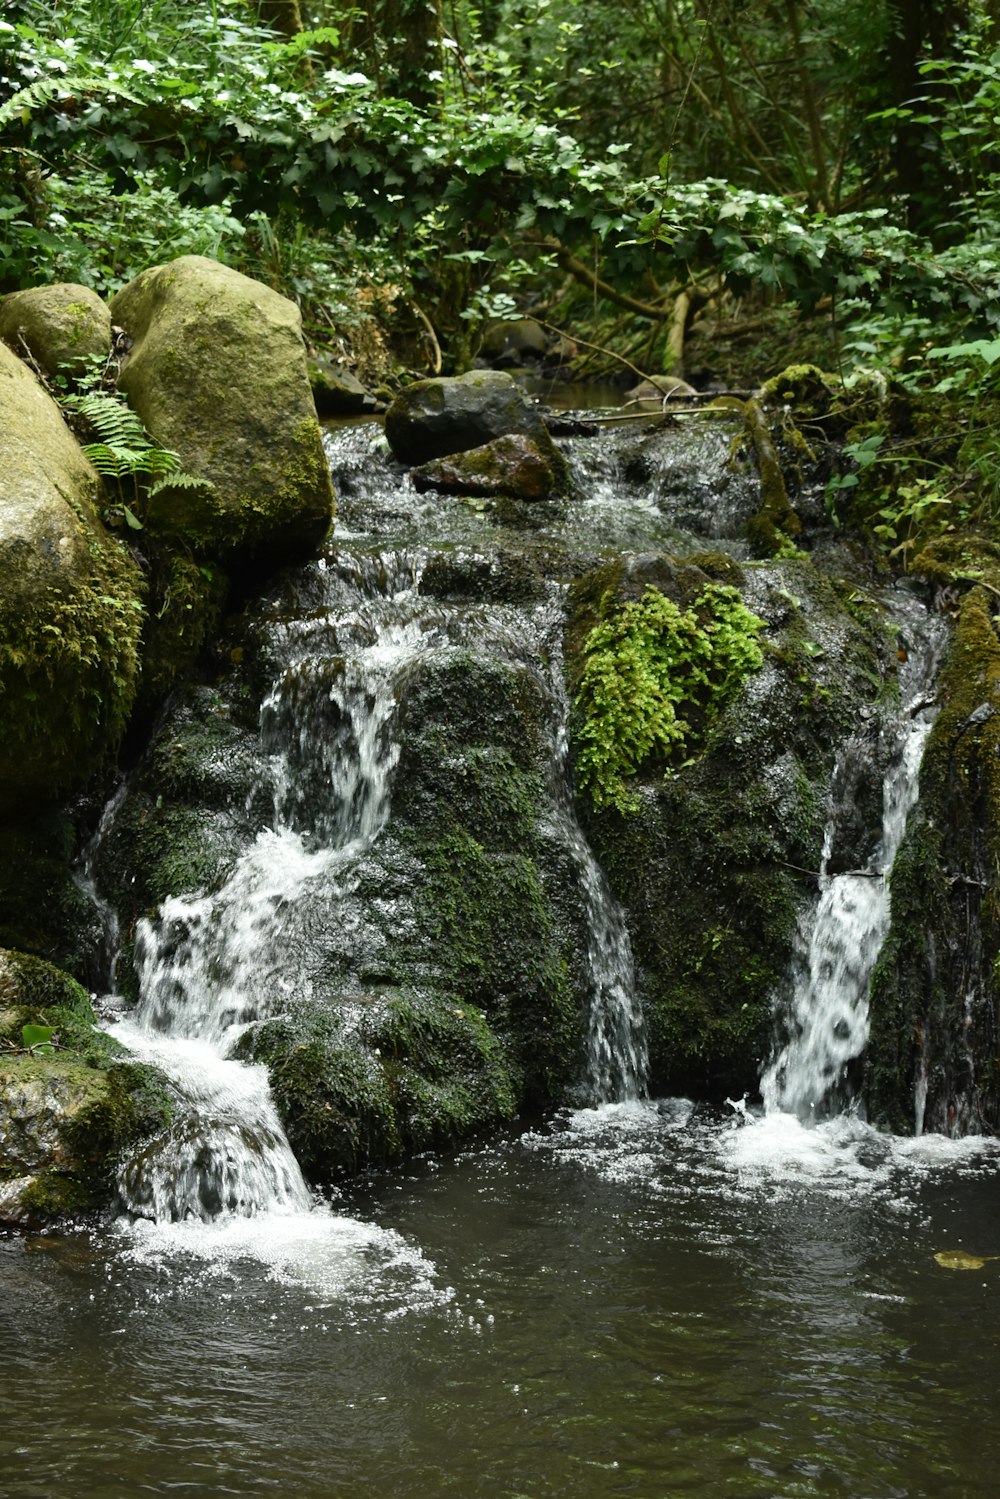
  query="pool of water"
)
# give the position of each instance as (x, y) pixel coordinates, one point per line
(640, 1300)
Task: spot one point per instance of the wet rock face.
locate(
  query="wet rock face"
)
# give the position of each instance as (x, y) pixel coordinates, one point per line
(933, 1060)
(433, 418)
(715, 865)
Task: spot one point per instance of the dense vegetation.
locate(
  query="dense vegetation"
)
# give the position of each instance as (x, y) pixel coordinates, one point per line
(664, 179)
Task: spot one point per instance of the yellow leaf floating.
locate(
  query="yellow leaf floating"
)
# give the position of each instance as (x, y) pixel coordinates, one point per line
(957, 1259)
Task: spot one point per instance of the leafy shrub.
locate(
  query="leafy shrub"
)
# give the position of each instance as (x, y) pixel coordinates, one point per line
(655, 678)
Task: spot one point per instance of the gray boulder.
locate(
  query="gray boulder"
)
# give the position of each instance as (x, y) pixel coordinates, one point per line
(217, 372)
(65, 327)
(338, 392)
(71, 605)
(433, 418)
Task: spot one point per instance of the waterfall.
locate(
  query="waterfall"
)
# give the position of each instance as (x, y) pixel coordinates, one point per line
(211, 964)
(615, 1052)
(839, 942)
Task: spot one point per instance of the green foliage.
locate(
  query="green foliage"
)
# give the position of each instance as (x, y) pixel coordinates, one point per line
(38, 1039)
(655, 678)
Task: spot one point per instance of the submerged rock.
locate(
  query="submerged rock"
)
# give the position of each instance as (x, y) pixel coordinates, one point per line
(217, 372)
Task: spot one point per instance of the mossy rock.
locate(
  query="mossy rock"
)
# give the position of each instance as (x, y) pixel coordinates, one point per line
(196, 800)
(63, 1126)
(43, 909)
(802, 386)
(714, 865)
(66, 327)
(933, 1026)
(217, 372)
(512, 465)
(71, 605)
(382, 1076)
(65, 1117)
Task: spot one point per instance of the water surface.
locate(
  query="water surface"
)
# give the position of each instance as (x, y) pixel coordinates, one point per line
(638, 1300)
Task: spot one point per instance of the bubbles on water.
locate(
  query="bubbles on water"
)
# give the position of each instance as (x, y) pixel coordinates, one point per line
(346, 1264)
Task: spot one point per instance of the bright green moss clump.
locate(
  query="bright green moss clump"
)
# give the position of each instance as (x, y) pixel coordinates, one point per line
(654, 679)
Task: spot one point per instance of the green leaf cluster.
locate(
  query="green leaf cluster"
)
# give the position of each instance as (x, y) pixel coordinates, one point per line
(655, 678)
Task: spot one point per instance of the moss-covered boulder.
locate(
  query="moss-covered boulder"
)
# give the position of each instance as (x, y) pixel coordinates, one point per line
(71, 604)
(66, 328)
(68, 1107)
(713, 853)
(432, 418)
(217, 372)
(933, 1060)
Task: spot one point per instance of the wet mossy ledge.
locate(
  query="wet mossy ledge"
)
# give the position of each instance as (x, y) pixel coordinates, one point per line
(714, 858)
(72, 1104)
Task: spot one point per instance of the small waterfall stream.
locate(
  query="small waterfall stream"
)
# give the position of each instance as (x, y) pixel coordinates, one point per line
(840, 938)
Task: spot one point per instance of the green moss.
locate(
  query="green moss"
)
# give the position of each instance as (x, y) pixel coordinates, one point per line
(384, 1076)
(653, 680)
(70, 1123)
(802, 386)
(42, 907)
(186, 603)
(81, 650)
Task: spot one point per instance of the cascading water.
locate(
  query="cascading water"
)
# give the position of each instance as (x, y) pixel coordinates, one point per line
(840, 940)
(209, 965)
(616, 1059)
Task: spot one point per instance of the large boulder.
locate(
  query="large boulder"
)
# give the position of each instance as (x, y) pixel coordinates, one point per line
(217, 372)
(432, 418)
(66, 327)
(70, 604)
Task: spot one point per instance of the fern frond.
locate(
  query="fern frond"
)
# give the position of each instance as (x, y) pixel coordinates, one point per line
(178, 479)
(114, 423)
(42, 92)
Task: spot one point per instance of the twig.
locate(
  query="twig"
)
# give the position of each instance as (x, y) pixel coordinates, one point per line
(421, 314)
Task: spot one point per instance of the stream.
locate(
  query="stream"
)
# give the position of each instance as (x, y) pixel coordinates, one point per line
(639, 1296)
